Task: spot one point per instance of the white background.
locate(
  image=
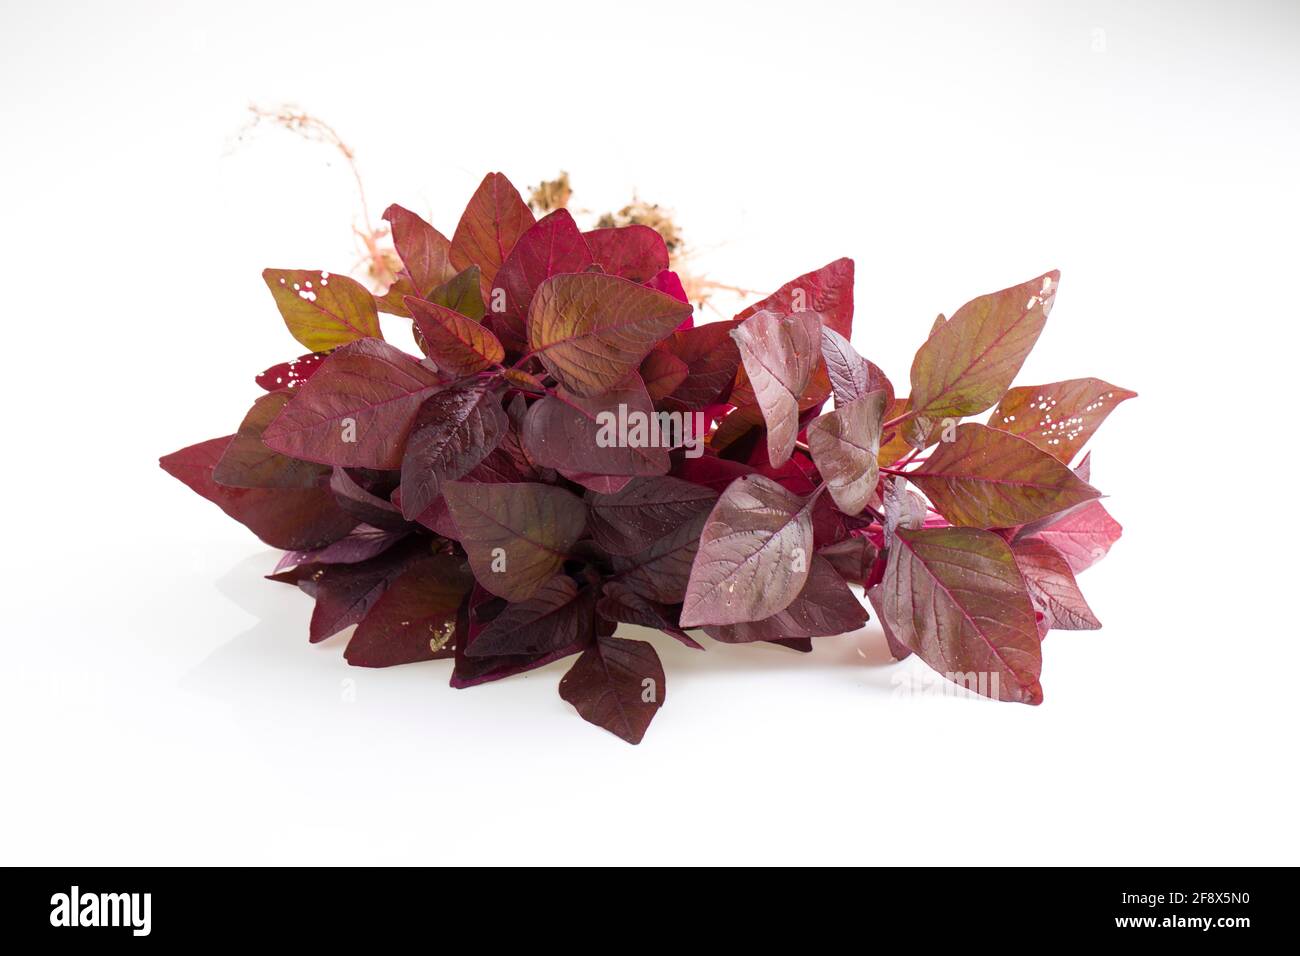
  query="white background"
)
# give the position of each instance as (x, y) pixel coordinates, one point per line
(160, 701)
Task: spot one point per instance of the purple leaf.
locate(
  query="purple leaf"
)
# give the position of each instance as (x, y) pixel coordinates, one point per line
(1052, 586)
(661, 571)
(415, 618)
(356, 410)
(364, 504)
(557, 616)
(955, 597)
(345, 593)
(455, 430)
(363, 543)
(600, 484)
(852, 558)
(851, 375)
(620, 603)
(903, 508)
(645, 511)
(897, 650)
(823, 608)
(780, 355)
(588, 435)
(753, 555)
(844, 445)
(617, 684)
(471, 671)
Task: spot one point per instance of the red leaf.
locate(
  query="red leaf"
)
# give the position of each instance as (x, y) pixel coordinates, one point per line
(663, 373)
(552, 246)
(489, 228)
(1060, 417)
(582, 435)
(425, 252)
(248, 463)
(634, 252)
(289, 518)
(291, 374)
(828, 291)
(711, 358)
(1083, 534)
(457, 345)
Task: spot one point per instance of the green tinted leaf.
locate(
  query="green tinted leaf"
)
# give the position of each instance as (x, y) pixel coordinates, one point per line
(322, 310)
(970, 360)
(590, 330)
(248, 463)
(517, 535)
(461, 293)
(987, 478)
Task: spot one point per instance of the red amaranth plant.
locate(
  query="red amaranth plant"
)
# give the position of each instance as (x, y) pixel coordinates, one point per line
(572, 452)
